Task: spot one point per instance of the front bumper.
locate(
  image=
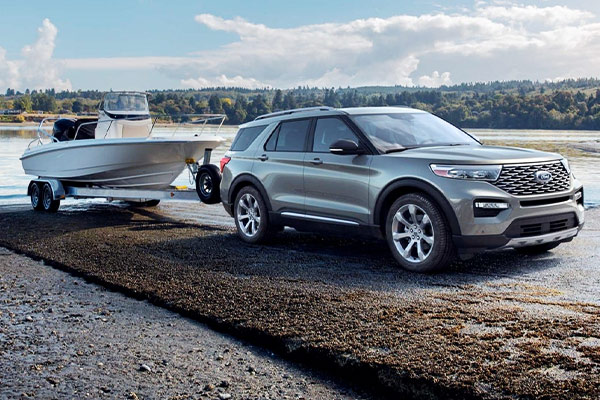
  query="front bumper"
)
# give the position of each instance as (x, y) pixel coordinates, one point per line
(537, 215)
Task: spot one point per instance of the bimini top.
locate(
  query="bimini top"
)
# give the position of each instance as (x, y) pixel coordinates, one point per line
(125, 103)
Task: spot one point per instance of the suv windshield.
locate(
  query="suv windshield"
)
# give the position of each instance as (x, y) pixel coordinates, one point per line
(126, 102)
(399, 131)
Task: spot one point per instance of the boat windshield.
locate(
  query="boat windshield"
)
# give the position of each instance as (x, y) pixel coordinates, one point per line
(400, 131)
(126, 103)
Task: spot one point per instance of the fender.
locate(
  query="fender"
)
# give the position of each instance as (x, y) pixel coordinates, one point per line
(247, 178)
(421, 186)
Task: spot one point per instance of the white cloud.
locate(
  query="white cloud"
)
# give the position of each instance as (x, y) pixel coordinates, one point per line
(435, 79)
(492, 41)
(223, 81)
(36, 69)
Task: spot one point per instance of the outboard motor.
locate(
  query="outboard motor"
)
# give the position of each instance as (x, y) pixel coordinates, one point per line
(61, 129)
(65, 129)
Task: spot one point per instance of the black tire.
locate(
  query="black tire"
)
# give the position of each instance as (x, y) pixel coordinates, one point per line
(264, 230)
(147, 203)
(420, 255)
(537, 249)
(36, 197)
(48, 202)
(208, 184)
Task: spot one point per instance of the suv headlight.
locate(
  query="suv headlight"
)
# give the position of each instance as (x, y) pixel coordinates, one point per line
(472, 172)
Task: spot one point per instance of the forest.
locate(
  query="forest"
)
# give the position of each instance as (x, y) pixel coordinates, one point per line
(567, 104)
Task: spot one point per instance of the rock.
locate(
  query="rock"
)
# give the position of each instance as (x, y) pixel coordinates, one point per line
(224, 396)
(132, 396)
(52, 381)
(28, 318)
(224, 384)
(208, 387)
(145, 368)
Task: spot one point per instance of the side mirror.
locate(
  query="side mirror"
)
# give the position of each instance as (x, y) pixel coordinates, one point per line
(345, 147)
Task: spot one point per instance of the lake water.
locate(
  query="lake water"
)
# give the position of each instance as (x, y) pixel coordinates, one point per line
(585, 165)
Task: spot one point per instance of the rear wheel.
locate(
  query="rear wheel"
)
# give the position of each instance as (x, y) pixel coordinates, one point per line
(251, 216)
(537, 249)
(49, 204)
(418, 234)
(36, 197)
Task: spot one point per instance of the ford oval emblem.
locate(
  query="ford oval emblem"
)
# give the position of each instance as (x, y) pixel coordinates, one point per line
(543, 177)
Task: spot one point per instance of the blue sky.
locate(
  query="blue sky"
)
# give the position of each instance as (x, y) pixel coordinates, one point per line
(144, 44)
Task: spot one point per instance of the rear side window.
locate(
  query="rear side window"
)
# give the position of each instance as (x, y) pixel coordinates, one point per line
(329, 131)
(290, 136)
(245, 137)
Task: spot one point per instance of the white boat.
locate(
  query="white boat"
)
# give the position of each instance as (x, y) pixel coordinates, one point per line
(116, 150)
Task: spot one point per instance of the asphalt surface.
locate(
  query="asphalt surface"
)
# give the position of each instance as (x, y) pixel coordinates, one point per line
(500, 325)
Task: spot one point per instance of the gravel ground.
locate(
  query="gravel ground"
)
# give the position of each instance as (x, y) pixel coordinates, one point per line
(500, 325)
(61, 337)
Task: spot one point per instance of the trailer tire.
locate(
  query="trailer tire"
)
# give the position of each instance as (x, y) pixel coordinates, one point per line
(36, 196)
(208, 184)
(48, 202)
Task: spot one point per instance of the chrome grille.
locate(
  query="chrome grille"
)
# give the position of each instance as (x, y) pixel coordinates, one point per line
(519, 180)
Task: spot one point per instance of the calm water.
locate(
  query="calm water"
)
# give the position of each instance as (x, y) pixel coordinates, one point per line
(585, 165)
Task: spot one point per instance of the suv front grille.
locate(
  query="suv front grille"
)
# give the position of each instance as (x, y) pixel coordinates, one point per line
(519, 180)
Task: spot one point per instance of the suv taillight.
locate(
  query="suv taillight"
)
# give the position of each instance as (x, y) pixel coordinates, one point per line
(224, 162)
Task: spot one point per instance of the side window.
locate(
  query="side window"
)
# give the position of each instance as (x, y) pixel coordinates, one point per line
(290, 136)
(330, 130)
(272, 142)
(245, 137)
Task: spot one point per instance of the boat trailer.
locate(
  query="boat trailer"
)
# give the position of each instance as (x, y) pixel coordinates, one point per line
(46, 193)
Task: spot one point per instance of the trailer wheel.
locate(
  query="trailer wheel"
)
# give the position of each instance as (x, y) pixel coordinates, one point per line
(208, 184)
(48, 201)
(36, 197)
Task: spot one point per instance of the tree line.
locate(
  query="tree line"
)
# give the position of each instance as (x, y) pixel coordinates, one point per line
(569, 104)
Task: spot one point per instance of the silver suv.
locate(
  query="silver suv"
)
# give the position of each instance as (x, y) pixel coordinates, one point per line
(430, 189)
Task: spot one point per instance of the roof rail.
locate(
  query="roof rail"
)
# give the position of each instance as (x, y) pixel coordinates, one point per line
(295, 110)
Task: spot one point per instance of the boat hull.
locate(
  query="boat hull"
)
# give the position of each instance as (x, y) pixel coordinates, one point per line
(117, 163)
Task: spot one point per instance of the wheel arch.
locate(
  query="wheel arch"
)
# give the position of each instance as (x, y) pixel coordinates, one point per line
(403, 186)
(247, 180)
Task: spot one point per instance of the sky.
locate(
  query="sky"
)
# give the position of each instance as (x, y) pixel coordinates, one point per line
(156, 44)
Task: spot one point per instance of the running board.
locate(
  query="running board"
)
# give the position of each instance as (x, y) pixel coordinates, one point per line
(318, 218)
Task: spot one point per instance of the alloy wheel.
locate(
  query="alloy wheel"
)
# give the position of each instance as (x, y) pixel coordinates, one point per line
(413, 233)
(248, 214)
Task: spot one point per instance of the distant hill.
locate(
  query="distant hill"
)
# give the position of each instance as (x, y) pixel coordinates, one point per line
(565, 104)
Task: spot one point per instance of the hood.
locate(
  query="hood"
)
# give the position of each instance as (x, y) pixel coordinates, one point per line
(477, 154)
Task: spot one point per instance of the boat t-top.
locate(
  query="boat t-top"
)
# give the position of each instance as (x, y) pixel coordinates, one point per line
(114, 155)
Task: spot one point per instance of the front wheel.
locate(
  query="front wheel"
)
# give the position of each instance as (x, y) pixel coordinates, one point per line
(418, 234)
(36, 197)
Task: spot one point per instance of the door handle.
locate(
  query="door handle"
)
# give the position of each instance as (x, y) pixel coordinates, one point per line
(317, 161)
(264, 157)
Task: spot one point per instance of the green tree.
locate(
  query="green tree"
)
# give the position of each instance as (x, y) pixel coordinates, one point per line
(277, 103)
(23, 103)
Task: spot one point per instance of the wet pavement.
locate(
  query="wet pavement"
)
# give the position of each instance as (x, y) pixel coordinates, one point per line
(500, 325)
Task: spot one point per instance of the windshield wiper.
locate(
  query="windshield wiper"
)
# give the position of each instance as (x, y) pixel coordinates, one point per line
(399, 149)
